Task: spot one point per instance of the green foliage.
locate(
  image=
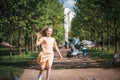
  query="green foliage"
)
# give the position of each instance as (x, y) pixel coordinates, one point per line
(58, 33)
(26, 17)
(97, 20)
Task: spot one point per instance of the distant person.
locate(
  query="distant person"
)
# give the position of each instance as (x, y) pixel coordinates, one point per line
(73, 52)
(66, 44)
(45, 58)
(117, 57)
(76, 42)
(84, 51)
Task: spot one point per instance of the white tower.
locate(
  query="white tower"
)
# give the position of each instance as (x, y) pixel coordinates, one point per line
(67, 21)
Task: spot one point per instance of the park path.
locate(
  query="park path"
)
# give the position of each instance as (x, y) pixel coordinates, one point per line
(73, 69)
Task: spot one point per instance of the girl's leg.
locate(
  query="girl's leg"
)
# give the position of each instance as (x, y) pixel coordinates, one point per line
(48, 73)
(49, 65)
(40, 76)
(40, 73)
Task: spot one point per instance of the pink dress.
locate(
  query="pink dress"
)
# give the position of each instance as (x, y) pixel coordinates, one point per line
(45, 58)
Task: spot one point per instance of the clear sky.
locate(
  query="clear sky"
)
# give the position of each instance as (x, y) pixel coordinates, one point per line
(69, 3)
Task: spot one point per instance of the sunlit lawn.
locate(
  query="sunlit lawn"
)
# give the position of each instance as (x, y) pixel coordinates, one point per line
(102, 54)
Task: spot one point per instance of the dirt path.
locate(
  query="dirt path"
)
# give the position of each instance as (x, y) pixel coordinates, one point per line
(73, 69)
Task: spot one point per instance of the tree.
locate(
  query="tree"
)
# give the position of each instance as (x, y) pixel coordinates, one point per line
(98, 19)
(22, 18)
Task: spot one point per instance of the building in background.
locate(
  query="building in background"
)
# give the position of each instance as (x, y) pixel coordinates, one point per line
(69, 14)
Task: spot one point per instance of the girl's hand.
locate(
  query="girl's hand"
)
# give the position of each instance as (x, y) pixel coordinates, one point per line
(61, 57)
(38, 35)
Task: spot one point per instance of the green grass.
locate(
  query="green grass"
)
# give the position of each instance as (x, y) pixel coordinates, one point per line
(100, 54)
(18, 61)
(5, 72)
(15, 64)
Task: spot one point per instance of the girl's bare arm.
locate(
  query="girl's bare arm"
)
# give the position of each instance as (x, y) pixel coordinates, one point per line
(56, 47)
(39, 39)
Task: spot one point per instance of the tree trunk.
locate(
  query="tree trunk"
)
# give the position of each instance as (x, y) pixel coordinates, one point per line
(98, 40)
(19, 41)
(102, 40)
(108, 41)
(32, 43)
(11, 38)
(94, 38)
(116, 35)
(91, 35)
(26, 43)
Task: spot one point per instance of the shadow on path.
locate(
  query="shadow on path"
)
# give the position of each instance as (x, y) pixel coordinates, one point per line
(71, 63)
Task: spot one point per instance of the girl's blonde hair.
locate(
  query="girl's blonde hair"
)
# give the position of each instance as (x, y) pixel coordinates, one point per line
(43, 31)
